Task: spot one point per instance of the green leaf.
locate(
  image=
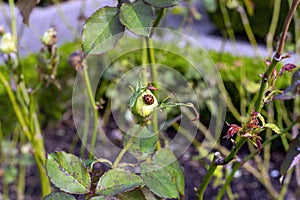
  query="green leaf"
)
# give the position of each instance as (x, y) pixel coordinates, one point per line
(162, 3)
(10, 174)
(68, 173)
(148, 194)
(135, 194)
(101, 198)
(144, 142)
(59, 195)
(166, 158)
(137, 17)
(274, 127)
(158, 180)
(102, 31)
(115, 181)
(292, 157)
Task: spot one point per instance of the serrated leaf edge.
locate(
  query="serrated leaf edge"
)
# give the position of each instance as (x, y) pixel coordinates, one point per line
(140, 185)
(90, 49)
(88, 189)
(124, 24)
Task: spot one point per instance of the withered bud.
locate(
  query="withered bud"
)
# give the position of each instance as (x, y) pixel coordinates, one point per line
(75, 59)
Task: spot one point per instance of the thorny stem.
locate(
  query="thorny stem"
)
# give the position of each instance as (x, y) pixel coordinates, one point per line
(276, 58)
(287, 22)
(259, 103)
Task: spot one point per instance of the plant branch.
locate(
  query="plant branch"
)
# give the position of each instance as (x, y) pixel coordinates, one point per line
(160, 15)
(276, 58)
(287, 22)
(259, 103)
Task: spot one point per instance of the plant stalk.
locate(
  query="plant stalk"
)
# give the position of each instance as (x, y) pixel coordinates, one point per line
(127, 146)
(151, 58)
(37, 144)
(94, 107)
(259, 102)
(13, 21)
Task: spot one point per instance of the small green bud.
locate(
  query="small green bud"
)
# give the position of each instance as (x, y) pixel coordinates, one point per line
(7, 44)
(144, 105)
(49, 38)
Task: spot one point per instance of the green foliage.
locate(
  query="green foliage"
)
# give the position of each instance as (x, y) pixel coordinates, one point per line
(115, 181)
(159, 181)
(136, 194)
(166, 158)
(99, 29)
(68, 173)
(162, 3)
(163, 177)
(60, 196)
(137, 17)
(144, 142)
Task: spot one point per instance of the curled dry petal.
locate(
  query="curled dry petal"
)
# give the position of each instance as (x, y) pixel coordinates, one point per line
(259, 145)
(287, 67)
(232, 130)
(150, 87)
(268, 62)
(254, 114)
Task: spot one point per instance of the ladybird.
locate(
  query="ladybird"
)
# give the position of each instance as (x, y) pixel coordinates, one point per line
(148, 99)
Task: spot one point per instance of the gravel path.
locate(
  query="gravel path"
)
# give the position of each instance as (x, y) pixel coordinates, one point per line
(65, 18)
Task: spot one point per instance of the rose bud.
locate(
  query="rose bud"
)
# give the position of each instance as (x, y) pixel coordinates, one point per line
(142, 105)
(7, 44)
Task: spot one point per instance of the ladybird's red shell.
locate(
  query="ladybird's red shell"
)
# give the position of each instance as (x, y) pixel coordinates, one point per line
(148, 99)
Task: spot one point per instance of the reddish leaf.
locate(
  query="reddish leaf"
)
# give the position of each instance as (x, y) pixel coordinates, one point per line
(287, 67)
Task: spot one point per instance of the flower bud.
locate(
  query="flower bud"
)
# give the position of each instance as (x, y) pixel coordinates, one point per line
(49, 38)
(144, 105)
(2, 31)
(7, 44)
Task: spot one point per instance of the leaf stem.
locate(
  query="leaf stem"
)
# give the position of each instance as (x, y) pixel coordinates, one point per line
(160, 15)
(127, 146)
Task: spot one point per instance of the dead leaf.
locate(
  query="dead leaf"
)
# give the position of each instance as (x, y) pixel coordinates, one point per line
(25, 7)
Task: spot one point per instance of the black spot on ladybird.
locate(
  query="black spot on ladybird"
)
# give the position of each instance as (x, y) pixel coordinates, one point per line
(148, 99)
